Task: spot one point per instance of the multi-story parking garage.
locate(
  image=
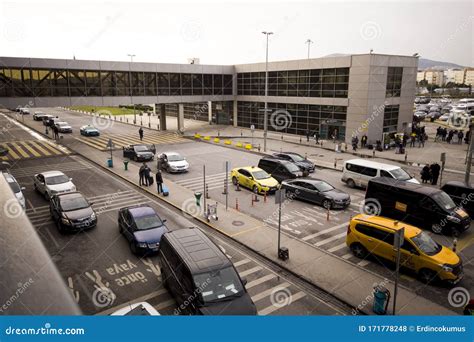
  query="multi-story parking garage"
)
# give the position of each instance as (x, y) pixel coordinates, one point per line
(338, 96)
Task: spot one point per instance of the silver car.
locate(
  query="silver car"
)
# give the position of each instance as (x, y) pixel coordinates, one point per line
(51, 183)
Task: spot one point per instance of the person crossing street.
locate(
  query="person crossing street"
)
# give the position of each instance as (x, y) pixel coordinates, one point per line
(140, 133)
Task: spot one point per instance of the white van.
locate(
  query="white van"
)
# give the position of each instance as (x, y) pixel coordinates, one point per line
(358, 172)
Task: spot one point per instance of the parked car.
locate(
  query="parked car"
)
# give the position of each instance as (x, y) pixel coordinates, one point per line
(419, 205)
(433, 115)
(462, 194)
(63, 127)
(24, 111)
(136, 309)
(72, 212)
(172, 162)
(444, 117)
(280, 169)
(303, 163)
(89, 131)
(16, 188)
(50, 121)
(358, 172)
(38, 116)
(254, 178)
(142, 227)
(200, 277)
(316, 191)
(419, 252)
(51, 183)
(46, 119)
(140, 152)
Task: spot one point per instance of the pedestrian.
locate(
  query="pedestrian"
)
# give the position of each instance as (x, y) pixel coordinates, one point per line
(141, 174)
(56, 132)
(146, 174)
(159, 181)
(412, 139)
(355, 142)
(404, 140)
(425, 174)
(316, 137)
(308, 134)
(450, 136)
(435, 170)
(140, 133)
(438, 133)
(421, 140)
(363, 141)
(460, 136)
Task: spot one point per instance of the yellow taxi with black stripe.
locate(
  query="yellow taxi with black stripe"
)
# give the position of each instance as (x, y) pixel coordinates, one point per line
(255, 179)
(419, 252)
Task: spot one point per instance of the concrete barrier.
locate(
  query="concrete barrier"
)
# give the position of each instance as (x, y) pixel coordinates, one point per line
(207, 138)
(248, 146)
(228, 142)
(239, 144)
(217, 140)
(197, 136)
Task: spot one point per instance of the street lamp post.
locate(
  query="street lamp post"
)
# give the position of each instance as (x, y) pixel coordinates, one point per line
(265, 115)
(131, 91)
(309, 42)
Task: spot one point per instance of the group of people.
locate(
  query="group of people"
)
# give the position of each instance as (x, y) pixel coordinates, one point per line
(430, 173)
(146, 179)
(449, 136)
(417, 135)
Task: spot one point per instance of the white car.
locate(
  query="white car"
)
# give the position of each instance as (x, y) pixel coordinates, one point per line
(173, 162)
(51, 183)
(137, 309)
(17, 190)
(63, 127)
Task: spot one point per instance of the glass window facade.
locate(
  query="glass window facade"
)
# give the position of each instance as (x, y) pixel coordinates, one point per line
(15, 82)
(394, 81)
(390, 118)
(298, 83)
(301, 118)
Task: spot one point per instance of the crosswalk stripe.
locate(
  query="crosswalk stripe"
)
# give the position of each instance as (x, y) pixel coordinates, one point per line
(332, 238)
(29, 148)
(336, 248)
(11, 152)
(53, 149)
(40, 148)
(259, 281)
(241, 262)
(250, 271)
(363, 263)
(309, 237)
(268, 310)
(200, 177)
(347, 256)
(269, 291)
(19, 149)
(91, 143)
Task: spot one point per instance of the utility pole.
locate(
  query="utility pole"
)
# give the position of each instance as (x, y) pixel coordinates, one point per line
(469, 156)
(265, 115)
(309, 42)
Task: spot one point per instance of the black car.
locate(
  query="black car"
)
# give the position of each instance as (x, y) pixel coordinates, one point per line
(462, 194)
(72, 212)
(280, 169)
(50, 121)
(316, 191)
(303, 163)
(38, 116)
(46, 119)
(141, 152)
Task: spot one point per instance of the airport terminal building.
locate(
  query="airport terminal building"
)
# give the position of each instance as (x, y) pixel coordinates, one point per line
(338, 96)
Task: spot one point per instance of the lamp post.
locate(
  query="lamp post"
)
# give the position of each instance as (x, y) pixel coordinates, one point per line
(131, 92)
(309, 42)
(265, 115)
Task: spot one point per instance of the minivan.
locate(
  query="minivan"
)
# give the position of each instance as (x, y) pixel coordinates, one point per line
(358, 172)
(200, 277)
(419, 205)
(419, 252)
(280, 169)
(462, 194)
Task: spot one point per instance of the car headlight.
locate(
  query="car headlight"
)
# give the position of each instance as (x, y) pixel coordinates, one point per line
(93, 216)
(142, 244)
(65, 220)
(453, 219)
(73, 188)
(447, 268)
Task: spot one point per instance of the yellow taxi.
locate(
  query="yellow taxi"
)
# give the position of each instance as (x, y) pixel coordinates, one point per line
(419, 252)
(254, 178)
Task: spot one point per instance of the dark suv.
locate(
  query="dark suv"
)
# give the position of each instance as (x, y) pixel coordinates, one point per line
(280, 169)
(72, 212)
(303, 163)
(141, 152)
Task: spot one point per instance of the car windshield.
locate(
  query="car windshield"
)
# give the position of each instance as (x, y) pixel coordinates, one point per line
(63, 124)
(54, 180)
(260, 175)
(175, 157)
(427, 245)
(444, 200)
(15, 187)
(220, 285)
(296, 157)
(141, 149)
(148, 222)
(323, 186)
(292, 167)
(73, 203)
(400, 174)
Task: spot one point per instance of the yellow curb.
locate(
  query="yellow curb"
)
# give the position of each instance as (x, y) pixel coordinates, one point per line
(239, 144)
(228, 142)
(216, 140)
(248, 146)
(207, 138)
(197, 136)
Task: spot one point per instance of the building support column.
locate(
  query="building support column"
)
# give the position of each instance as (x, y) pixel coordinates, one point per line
(181, 117)
(234, 115)
(209, 111)
(162, 117)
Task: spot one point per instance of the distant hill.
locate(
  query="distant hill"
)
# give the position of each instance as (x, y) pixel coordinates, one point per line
(423, 63)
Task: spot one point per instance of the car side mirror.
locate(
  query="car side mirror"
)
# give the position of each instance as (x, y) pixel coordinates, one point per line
(70, 179)
(91, 203)
(23, 188)
(244, 281)
(250, 177)
(164, 220)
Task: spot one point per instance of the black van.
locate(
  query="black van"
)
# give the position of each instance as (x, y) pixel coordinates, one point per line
(280, 169)
(418, 205)
(200, 277)
(462, 194)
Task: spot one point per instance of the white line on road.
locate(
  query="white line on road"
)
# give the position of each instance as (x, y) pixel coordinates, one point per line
(309, 237)
(268, 310)
(332, 238)
(336, 248)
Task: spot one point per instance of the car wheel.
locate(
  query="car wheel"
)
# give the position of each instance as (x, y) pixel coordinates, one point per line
(351, 183)
(133, 247)
(327, 204)
(234, 180)
(255, 189)
(427, 276)
(436, 228)
(359, 251)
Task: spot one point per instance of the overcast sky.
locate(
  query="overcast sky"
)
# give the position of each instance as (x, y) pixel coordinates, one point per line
(225, 32)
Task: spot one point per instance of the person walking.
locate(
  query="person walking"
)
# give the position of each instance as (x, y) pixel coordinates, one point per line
(146, 174)
(363, 141)
(355, 142)
(412, 139)
(450, 136)
(141, 174)
(316, 137)
(435, 170)
(56, 132)
(308, 134)
(438, 133)
(425, 174)
(140, 133)
(159, 181)
(404, 140)
(460, 136)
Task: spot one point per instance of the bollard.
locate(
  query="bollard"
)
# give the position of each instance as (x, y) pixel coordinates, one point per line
(251, 200)
(149, 124)
(373, 153)
(258, 147)
(126, 119)
(125, 165)
(237, 204)
(282, 137)
(335, 162)
(406, 155)
(327, 215)
(256, 198)
(265, 197)
(300, 140)
(237, 186)
(455, 244)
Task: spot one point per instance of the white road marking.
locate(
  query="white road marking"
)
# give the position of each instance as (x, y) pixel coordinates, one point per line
(347, 256)
(260, 280)
(250, 271)
(336, 248)
(268, 310)
(332, 238)
(363, 263)
(269, 291)
(322, 232)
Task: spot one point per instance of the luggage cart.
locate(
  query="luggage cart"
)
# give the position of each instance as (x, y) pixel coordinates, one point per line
(211, 212)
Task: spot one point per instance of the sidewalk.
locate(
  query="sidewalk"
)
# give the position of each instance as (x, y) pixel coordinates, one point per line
(336, 276)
